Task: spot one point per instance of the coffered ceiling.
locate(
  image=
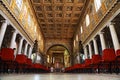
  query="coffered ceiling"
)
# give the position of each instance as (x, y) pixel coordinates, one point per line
(58, 18)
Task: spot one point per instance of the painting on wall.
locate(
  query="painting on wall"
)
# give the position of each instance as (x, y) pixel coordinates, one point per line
(19, 3)
(108, 3)
(29, 20)
(100, 14)
(16, 11)
(9, 1)
(24, 15)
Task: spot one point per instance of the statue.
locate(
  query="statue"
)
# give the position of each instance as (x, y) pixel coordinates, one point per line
(34, 51)
(81, 47)
(35, 47)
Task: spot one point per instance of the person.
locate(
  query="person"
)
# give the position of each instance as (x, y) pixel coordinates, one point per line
(63, 69)
(52, 69)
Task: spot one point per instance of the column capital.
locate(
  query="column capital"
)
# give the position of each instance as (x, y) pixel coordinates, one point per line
(89, 44)
(21, 38)
(31, 47)
(84, 46)
(3, 21)
(26, 43)
(6, 21)
(94, 38)
(101, 33)
(110, 23)
(15, 31)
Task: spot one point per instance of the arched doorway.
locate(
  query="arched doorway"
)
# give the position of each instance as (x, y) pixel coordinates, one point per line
(58, 57)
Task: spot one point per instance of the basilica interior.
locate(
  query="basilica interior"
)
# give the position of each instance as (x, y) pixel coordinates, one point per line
(59, 37)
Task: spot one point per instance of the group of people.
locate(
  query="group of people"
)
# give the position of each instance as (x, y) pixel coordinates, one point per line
(52, 69)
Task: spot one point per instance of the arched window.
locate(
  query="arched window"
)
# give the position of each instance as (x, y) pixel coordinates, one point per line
(97, 4)
(81, 30)
(35, 29)
(48, 59)
(74, 43)
(29, 20)
(77, 37)
(19, 3)
(39, 37)
(9, 1)
(25, 11)
(87, 20)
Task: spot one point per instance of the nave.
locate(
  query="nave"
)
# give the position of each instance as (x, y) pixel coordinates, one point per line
(80, 38)
(59, 76)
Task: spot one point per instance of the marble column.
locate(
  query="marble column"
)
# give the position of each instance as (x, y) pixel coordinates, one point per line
(20, 46)
(78, 57)
(85, 51)
(90, 51)
(2, 31)
(30, 52)
(26, 47)
(102, 41)
(114, 37)
(95, 46)
(12, 43)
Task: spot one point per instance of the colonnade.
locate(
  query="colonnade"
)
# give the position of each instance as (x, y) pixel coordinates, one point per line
(114, 37)
(28, 48)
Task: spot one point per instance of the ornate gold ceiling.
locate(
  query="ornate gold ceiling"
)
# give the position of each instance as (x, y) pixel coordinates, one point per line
(58, 18)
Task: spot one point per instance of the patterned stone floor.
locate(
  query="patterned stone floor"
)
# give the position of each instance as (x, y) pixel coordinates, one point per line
(59, 76)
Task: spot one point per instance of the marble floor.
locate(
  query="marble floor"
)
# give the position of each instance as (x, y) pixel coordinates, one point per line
(59, 76)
